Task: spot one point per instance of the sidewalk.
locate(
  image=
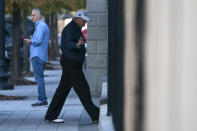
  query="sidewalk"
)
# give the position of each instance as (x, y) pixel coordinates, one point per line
(19, 115)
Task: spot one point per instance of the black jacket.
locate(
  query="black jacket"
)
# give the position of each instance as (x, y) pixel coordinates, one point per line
(70, 36)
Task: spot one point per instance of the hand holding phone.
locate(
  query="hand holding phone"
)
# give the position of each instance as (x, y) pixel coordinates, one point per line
(80, 42)
(28, 42)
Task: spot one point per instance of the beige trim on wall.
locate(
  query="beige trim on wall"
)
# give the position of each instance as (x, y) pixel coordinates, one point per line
(129, 65)
(171, 61)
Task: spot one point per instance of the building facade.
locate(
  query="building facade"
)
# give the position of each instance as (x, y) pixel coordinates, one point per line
(97, 36)
(151, 65)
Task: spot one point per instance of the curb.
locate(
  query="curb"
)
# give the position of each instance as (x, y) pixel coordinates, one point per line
(105, 121)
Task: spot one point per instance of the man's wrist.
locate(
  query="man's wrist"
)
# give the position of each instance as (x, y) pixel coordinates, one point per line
(78, 45)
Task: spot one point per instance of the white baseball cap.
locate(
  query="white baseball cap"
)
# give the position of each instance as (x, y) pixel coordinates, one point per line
(82, 14)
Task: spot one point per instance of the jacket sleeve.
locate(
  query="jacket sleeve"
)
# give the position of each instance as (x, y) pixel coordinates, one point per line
(69, 41)
(38, 35)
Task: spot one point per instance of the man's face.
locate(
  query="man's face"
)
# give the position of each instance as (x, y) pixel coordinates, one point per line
(35, 16)
(82, 22)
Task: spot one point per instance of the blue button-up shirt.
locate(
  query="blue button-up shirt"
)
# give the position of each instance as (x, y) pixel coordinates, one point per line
(40, 40)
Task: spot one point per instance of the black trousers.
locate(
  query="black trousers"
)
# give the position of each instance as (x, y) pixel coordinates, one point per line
(72, 76)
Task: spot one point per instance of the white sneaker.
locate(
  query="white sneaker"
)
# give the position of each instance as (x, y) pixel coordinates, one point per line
(58, 121)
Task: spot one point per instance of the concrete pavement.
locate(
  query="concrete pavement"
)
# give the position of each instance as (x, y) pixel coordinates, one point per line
(19, 115)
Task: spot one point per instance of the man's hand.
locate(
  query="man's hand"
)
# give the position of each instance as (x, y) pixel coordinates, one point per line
(28, 42)
(80, 42)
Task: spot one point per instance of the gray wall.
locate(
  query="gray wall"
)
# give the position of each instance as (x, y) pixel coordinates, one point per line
(97, 35)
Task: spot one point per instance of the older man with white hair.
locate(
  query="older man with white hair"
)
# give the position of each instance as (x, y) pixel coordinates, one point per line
(39, 53)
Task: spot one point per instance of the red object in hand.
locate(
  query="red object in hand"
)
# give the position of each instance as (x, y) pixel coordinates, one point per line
(85, 35)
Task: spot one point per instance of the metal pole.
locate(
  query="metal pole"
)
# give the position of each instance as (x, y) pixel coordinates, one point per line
(4, 85)
(110, 66)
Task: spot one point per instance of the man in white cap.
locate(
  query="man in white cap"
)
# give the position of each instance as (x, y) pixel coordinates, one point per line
(72, 59)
